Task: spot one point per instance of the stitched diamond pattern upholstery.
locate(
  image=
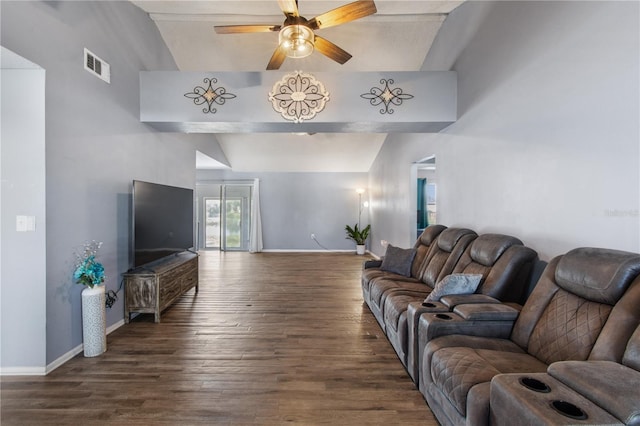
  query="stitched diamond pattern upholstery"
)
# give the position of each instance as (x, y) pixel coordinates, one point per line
(584, 307)
(380, 287)
(423, 246)
(568, 328)
(392, 311)
(456, 370)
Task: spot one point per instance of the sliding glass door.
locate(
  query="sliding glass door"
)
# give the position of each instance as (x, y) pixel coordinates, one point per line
(212, 223)
(227, 218)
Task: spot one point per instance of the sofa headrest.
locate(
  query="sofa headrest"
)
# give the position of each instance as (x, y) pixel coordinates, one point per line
(487, 248)
(600, 275)
(430, 234)
(450, 237)
(631, 356)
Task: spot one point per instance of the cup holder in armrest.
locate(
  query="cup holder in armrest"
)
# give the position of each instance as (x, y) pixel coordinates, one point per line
(568, 409)
(534, 384)
(429, 305)
(443, 316)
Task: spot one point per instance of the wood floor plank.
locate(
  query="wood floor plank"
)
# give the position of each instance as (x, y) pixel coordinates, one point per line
(269, 339)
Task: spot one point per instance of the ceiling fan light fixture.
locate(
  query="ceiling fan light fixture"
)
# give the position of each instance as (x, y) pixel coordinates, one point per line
(297, 41)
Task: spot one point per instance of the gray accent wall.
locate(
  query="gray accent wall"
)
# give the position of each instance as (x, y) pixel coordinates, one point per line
(294, 205)
(95, 143)
(546, 145)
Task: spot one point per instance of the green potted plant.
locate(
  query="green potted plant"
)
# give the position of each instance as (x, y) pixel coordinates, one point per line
(359, 236)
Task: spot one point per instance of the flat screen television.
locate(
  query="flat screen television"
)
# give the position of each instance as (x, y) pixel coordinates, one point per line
(162, 221)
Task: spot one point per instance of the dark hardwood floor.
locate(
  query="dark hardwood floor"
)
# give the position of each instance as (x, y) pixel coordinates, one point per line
(270, 338)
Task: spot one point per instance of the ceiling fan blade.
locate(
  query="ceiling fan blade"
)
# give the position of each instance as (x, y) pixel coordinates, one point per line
(289, 7)
(239, 29)
(277, 59)
(348, 12)
(331, 50)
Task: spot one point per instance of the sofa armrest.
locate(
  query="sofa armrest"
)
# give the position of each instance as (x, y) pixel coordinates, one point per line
(414, 311)
(432, 325)
(452, 300)
(372, 263)
(486, 312)
(539, 399)
(436, 324)
(608, 384)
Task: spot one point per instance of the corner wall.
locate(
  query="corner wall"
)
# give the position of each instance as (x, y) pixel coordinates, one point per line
(546, 146)
(95, 143)
(22, 283)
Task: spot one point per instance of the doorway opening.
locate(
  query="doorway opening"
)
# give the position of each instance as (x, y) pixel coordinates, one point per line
(426, 193)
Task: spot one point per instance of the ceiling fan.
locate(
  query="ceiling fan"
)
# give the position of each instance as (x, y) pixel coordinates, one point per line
(296, 37)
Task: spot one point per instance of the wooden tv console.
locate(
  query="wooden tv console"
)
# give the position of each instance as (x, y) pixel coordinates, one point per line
(153, 288)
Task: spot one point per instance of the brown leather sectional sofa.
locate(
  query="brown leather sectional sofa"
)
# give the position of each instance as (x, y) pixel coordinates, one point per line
(569, 353)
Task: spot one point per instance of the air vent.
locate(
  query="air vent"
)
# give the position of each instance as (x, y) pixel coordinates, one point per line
(96, 66)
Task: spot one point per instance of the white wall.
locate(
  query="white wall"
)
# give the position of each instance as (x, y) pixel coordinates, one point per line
(546, 146)
(294, 205)
(23, 254)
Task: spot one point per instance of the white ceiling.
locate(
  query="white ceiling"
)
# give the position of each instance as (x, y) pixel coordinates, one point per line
(396, 38)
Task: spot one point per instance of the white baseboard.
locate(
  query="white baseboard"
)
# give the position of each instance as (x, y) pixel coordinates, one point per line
(113, 327)
(75, 351)
(43, 371)
(305, 251)
(22, 371)
(64, 358)
(372, 254)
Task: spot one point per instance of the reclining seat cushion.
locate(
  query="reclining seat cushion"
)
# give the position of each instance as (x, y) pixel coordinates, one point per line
(446, 253)
(590, 281)
(395, 306)
(612, 386)
(442, 259)
(568, 328)
(555, 325)
(504, 263)
(455, 371)
(421, 246)
(380, 287)
(603, 278)
(488, 249)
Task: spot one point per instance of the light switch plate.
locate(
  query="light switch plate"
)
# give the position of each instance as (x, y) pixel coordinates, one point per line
(25, 223)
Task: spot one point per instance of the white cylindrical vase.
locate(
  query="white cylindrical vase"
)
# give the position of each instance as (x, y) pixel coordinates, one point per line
(360, 249)
(94, 321)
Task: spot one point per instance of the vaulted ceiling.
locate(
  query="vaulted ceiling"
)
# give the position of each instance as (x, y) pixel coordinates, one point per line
(397, 38)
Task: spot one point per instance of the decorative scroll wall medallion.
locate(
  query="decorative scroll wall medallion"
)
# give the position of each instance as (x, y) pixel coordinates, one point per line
(209, 96)
(298, 96)
(386, 95)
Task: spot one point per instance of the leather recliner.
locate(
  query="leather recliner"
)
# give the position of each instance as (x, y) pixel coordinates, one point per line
(584, 307)
(505, 265)
(440, 261)
(371, 269)
(598, 392)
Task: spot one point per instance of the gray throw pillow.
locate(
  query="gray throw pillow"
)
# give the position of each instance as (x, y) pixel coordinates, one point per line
(398, 260)
(455, 284)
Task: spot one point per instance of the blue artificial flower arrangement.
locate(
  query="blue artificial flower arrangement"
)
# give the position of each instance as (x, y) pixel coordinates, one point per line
(88, 271)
